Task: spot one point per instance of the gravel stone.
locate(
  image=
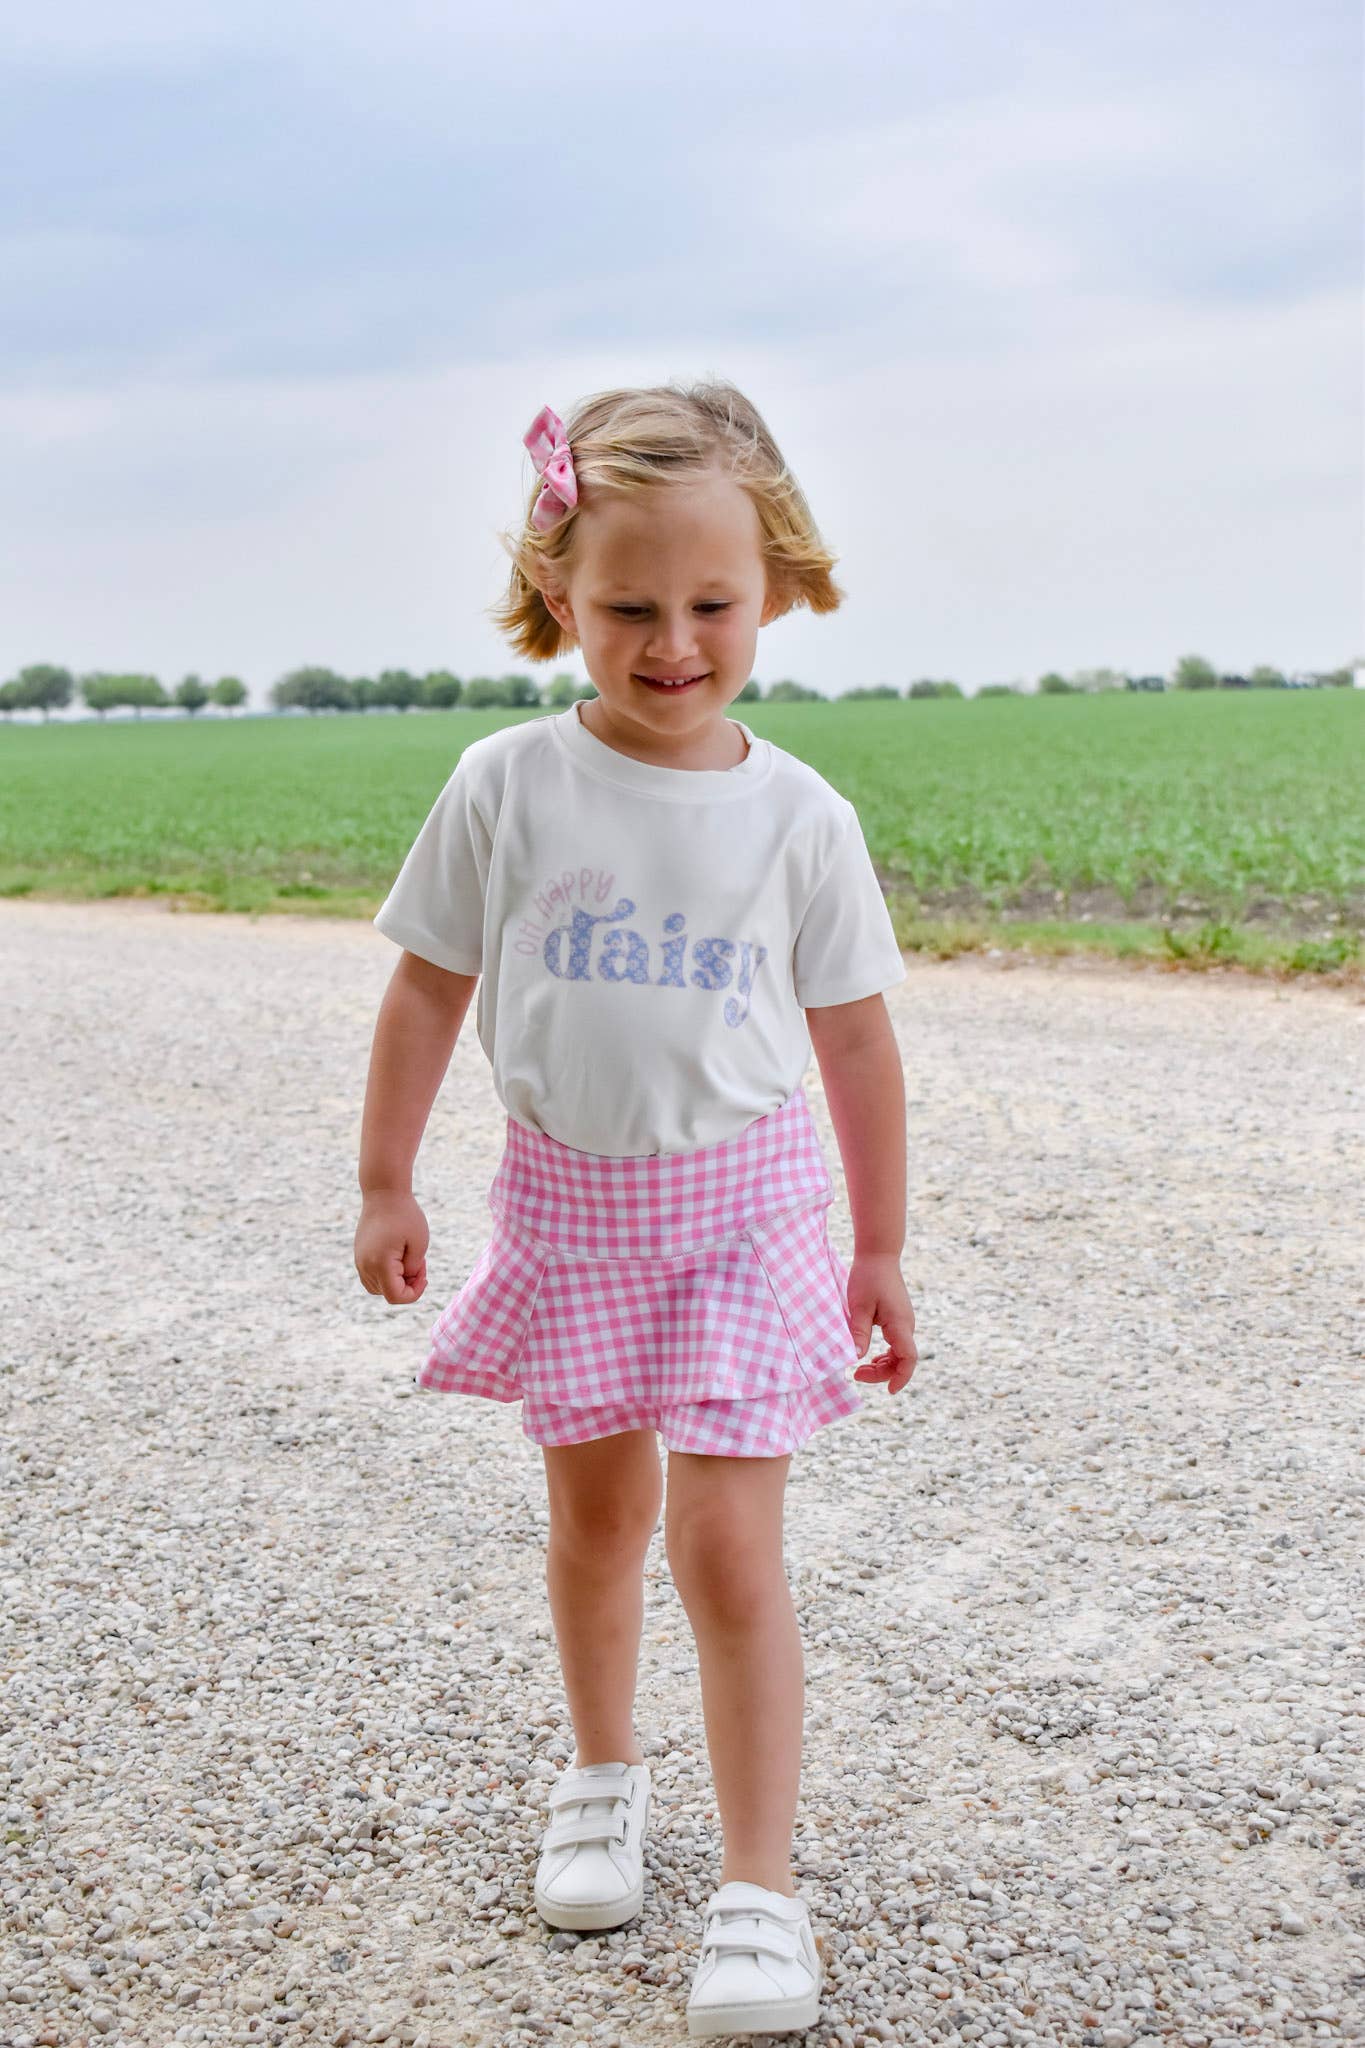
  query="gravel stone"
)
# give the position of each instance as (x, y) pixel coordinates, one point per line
(1084, 1608)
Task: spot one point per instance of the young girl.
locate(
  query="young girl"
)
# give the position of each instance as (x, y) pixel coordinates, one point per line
(663, 915)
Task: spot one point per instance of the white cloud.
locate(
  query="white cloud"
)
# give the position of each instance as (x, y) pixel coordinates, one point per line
(1188, 484)
(1064, 344)
(1056, 195)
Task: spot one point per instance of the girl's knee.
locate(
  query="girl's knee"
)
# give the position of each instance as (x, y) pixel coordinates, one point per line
(602, 1536)
(723, 1538)
(725, 1588)
(605, 1494)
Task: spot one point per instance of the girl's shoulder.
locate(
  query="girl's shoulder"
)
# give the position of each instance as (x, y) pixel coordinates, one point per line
(482, 765)
(808, 798)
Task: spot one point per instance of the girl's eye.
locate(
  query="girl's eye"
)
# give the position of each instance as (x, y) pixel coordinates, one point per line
(633, 611)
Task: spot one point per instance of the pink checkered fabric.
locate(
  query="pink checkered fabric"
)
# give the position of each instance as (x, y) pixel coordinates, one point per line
(696, 1293)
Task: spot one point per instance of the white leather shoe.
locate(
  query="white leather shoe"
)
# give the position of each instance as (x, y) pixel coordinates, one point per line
(591, 1870)
(759, 1971)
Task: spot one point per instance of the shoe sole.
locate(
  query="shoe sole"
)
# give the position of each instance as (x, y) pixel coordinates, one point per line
(782, 2016)
(607, 1912)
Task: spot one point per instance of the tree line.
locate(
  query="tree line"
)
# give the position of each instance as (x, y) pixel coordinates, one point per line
(47, 687)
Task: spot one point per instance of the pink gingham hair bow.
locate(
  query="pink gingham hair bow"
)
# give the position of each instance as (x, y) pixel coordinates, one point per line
(549, 446)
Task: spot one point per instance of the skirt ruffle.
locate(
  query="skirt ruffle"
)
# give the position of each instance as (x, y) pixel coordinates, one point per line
(763, 1312)
(612, 1289)
(767, 1427)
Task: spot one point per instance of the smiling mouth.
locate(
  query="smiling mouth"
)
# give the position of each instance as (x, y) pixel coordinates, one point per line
(673, 688)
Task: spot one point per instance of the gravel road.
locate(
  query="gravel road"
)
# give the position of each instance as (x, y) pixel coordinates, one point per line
(1083, 1614)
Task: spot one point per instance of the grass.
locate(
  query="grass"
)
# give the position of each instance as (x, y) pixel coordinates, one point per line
(1199, 829)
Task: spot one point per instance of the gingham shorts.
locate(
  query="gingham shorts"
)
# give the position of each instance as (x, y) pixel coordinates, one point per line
(696, 1293)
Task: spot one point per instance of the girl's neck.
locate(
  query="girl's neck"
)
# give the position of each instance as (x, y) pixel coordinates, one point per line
(710, 749)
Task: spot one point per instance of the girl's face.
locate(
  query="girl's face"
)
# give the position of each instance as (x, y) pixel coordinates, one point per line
(667, 584)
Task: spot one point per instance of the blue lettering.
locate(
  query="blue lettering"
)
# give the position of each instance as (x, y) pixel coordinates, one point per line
(733, 1013)
(625, 954)
(611, 966)
(710, 970)
(580, 940)
(674, 949)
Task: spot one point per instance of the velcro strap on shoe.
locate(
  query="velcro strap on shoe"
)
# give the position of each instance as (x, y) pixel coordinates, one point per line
(766, 1939)
(576, 1791)
(582, 1828)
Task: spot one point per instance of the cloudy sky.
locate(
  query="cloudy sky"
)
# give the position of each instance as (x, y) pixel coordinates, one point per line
(1056, 313)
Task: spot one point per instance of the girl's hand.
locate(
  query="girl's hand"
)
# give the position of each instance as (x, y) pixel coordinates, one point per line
(876, 1294)
(391, 1246)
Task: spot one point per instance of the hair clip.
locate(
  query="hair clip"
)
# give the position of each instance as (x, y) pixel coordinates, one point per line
(549, 446)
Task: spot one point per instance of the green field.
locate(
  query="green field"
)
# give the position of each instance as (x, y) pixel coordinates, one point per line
(1200, 826)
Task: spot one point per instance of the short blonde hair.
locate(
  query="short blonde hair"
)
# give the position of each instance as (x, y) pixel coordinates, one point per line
(639, 439)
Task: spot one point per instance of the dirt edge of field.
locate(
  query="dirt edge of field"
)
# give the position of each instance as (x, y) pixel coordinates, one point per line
(1215, 951)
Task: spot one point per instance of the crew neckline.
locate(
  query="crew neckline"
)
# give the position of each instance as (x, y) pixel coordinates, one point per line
(652, 778)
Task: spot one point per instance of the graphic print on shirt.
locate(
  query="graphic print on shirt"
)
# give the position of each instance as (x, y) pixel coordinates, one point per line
(580, 933)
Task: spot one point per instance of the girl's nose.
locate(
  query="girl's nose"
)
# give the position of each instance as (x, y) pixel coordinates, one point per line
(671, 639)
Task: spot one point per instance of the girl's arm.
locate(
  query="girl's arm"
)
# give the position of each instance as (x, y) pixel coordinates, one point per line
(860, 1068)
(415, 1034)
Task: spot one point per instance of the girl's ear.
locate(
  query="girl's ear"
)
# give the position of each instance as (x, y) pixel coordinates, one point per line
(774, 604)
(560, 610)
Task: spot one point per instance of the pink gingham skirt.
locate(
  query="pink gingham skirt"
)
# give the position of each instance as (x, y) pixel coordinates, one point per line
(696, 1293)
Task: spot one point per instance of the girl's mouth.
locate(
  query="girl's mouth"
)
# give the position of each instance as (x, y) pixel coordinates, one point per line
(671, 689)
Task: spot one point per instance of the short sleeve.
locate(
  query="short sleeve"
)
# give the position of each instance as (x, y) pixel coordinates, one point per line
(436, 905)
(846, 946)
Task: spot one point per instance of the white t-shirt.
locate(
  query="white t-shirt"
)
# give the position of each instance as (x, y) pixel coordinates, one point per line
(648, 938)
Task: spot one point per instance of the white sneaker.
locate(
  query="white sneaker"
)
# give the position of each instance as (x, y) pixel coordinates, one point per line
(591, 1869)
(759, 1971)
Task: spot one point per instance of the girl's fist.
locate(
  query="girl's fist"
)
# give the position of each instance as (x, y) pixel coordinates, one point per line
(391, 1247)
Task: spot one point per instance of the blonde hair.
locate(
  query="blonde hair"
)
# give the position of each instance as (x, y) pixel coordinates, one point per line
(639, 439)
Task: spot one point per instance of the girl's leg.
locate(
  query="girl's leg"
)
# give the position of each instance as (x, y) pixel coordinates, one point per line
(604, 1508)
(723, 1534)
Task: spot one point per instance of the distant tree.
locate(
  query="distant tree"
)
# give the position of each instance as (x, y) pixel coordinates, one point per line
(43, 687)
(440, 689)
(102, 692)
(144, 693)
(864, 690)
(1053, 685)
(1234, 683)
(1096, 680)
(229, 691)
(312, 689)
(513, 693)
(1334, 678)
(788, 692)
(752, 693)
(997, 690)
(561, 690)
(190, 694)
(1192, 672)
(1263, 678)
(950, 689)
(9, 698)
(399, 687)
